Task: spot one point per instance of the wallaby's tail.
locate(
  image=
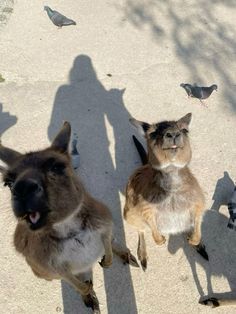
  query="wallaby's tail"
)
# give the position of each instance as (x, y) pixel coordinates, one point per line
(141, 150)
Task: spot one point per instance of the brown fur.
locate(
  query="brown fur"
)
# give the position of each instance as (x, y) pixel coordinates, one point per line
(164, 195)
(74, 230)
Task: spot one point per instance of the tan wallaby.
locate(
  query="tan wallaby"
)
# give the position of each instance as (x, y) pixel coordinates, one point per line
(61, 230)
(163, 194)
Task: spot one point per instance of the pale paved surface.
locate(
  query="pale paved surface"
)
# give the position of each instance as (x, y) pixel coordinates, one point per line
(149, 47)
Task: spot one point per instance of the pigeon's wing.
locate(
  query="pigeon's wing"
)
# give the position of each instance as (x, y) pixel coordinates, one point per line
(60, 20)
(197, 92)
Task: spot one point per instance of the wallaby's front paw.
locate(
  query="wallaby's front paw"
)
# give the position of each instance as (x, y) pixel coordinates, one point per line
(193, 240)
(106, 261)
(213, 302)
(160, 241)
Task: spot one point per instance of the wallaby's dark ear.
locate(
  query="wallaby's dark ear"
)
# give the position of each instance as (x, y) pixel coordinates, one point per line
(140, 125)
(62, 140)
(183, 123)
(8, 155)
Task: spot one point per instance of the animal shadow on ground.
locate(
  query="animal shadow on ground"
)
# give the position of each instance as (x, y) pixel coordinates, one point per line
(220, 244)
(6, 120)
(94, 111)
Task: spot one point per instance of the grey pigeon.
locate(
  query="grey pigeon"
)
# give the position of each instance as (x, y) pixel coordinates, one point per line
(57, 18)
(197, 91)
(75, 154)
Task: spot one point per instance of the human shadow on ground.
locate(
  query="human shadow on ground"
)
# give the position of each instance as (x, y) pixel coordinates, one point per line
(219, 241)
(200, 37)
(6, 120)
(94, 111)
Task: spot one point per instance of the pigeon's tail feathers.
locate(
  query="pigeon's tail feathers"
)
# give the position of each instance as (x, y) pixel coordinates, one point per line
(141, 150)
(69, 22)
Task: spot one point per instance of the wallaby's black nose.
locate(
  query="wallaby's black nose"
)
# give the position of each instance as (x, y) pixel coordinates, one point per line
(27, 188)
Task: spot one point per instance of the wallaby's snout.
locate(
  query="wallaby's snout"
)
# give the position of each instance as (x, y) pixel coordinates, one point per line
(29, 200)
(27, 188)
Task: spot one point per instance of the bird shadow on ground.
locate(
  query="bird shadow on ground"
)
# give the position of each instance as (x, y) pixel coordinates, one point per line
(92, 111)
(6, 120)
(199, 37)
(219, 241)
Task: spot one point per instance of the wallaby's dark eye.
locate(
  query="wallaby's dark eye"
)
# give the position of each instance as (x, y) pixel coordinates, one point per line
(58, 168)
(177, 135)
(168, 135)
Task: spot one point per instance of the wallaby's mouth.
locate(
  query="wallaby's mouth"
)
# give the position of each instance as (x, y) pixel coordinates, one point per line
(172, 147)
(35, 219)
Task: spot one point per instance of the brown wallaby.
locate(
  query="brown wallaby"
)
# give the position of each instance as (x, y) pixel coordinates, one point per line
(61, 230)
(163, 194)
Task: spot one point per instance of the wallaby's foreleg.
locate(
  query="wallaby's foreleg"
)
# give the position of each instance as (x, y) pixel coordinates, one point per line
(157, 236)
(124, 254)
(83, 287)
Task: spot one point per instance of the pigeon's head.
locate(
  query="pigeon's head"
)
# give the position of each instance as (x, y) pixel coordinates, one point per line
(214, 87)
(167, 142)
(46, 8)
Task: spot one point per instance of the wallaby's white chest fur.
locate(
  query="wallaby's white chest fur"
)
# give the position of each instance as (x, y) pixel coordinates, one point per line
(80, 248)
(173, 215)
(174, 211)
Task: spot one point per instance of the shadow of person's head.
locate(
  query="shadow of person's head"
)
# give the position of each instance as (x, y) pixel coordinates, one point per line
(82, 70)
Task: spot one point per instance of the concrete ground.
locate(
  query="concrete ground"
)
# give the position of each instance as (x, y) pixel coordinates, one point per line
(123, 58)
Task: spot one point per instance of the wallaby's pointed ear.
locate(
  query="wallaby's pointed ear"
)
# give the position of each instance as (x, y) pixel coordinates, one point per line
(8, 155)
(62, 140)
(140, 125)
(183, 123)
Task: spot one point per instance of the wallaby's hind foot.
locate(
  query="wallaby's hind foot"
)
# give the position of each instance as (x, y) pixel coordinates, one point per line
(91, 301)
(142, 252)
(201, 249)
(124, 254)
(213, 302)
(216, 302)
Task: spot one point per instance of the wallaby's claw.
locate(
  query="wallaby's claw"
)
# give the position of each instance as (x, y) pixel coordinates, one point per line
(144, 264)
(130, 259)
(201, 249)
